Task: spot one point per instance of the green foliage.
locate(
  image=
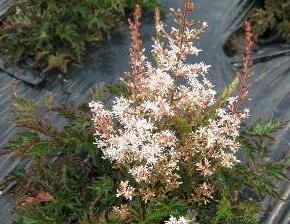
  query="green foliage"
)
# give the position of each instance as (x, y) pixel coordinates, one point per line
(55, 33)
(67, 164)
(162, 211)
(264, 128)
(118, 90)
(183, 126)
(274, 16)
(224, 210)
(104, 193)
(72, 188)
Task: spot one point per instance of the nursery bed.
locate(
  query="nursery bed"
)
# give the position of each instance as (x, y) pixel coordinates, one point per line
(270, 91)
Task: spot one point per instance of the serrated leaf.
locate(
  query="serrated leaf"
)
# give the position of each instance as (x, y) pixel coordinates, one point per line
(41, 149)
(264, 128)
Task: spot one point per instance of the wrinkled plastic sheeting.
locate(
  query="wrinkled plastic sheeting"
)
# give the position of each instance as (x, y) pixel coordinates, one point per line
(4, 6)
(23, 73)
(270, 91)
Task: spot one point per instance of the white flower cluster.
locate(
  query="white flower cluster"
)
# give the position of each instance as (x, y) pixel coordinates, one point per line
(174, 220)
(125, 190)
(141, 133)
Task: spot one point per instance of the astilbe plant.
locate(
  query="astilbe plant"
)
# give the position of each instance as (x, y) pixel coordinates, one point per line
(166, 152)
(171, 130)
